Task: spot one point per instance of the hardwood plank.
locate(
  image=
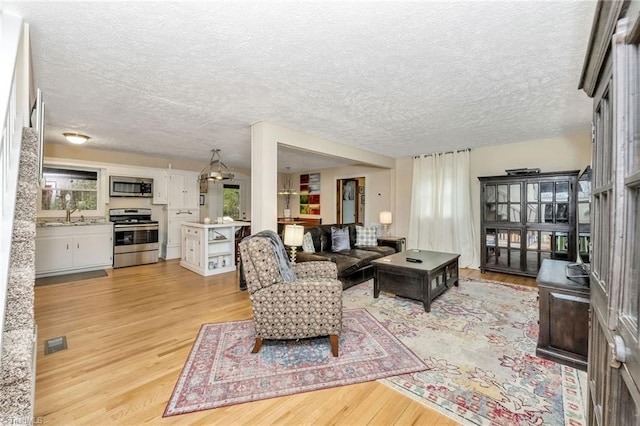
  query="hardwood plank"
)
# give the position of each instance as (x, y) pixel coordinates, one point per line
(130, 333)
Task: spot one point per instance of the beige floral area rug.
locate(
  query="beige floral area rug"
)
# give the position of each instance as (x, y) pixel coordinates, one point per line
(479, 344)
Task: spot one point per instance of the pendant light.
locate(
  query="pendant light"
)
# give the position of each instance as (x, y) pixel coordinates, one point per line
(217, 170)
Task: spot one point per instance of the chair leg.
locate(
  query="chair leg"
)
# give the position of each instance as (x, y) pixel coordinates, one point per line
(334, 344)
(257, 346)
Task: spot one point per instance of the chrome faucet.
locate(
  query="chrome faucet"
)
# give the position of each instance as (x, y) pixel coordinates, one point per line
(69, 211)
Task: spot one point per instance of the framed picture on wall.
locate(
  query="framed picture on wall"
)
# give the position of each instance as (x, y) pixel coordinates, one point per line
(202, 199)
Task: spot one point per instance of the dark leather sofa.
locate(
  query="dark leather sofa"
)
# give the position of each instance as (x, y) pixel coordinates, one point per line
(354, 265)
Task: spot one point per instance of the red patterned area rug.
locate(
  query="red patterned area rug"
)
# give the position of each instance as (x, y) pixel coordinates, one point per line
(221, 370)
(479, 344)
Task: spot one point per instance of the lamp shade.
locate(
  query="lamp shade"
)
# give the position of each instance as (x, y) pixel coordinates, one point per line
(385, 218)
(293, 235)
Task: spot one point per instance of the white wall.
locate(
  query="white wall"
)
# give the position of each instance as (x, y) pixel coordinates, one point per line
(263, 154)
(378, 183)
(213, 198)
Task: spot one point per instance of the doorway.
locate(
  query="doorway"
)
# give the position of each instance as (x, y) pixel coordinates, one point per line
(350, 200)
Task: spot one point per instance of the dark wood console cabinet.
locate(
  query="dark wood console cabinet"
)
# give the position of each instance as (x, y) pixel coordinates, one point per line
(564, 315)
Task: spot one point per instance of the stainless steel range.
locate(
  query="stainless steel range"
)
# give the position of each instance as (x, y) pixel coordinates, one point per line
(135, 237)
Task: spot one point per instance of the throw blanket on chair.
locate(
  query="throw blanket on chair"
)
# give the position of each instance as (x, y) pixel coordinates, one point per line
(286, 270)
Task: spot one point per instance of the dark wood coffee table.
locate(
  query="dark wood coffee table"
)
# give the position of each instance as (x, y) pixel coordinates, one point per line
(419, 281)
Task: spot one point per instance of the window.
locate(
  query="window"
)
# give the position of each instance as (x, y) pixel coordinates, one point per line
(67, 188)
(231, 201)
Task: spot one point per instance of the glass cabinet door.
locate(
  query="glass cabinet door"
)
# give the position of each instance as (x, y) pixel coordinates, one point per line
(502, 203)
(548, 202)
(562, 202)
(502, 248)
(533, 203)
(583, 212)
(490, 203)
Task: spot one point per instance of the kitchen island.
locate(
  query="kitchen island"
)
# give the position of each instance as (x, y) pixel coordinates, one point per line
(209, 248)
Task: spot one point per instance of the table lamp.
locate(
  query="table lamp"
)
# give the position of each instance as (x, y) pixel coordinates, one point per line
(293, 235)
(385, 220)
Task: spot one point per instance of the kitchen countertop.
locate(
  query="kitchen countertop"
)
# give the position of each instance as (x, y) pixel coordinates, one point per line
(215, 225)
(54, 223)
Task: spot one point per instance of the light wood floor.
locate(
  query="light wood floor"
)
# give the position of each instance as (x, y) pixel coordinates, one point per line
(130, 333)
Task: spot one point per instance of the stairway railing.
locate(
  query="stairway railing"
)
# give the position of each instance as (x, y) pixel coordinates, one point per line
(14, 111)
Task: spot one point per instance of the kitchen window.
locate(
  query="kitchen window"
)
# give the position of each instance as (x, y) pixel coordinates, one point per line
(66, 188)
(231, 201)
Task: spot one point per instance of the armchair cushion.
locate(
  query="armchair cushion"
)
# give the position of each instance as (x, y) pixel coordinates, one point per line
(304, 308)
(260, 263)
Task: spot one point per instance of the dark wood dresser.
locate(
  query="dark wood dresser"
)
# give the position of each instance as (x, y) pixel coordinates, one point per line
(564, 315)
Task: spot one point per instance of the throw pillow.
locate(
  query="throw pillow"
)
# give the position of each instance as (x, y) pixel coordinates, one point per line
(339, 239)
(307, 243)
(366, 236)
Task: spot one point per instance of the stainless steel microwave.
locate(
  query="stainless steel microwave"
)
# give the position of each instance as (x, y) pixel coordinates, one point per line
(124, 186)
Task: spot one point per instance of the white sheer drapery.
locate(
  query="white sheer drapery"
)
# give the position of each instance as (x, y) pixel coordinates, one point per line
(440, 217)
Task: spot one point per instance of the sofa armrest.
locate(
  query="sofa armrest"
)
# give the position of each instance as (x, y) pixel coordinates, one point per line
(397, 243)
(316, 269)
(302, 257)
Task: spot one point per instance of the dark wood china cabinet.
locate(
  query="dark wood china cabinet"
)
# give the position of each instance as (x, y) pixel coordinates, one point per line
(526, 218)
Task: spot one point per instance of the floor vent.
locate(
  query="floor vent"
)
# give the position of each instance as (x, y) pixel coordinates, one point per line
(55, 345)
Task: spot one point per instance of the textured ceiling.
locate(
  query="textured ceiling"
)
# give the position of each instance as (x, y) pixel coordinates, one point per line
(397, 78)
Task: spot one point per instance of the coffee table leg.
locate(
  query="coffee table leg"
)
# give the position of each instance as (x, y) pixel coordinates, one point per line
(426, 292)
(376, 285)
(456, 270)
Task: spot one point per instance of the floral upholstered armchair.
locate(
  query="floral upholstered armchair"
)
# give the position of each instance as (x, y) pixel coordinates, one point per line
(290, 301)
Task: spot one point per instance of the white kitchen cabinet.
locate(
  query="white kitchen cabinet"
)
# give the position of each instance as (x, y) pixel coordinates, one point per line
(184, 190)
(191, 246)
(53, 252)
(170, 246)
(66, 249)
(209, 249)
(160, 187)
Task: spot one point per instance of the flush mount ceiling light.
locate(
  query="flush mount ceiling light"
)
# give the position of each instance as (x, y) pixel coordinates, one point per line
(76, 138)
(216, 171)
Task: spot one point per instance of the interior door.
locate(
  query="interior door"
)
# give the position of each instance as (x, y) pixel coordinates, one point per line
(350, 200)
(614, 350)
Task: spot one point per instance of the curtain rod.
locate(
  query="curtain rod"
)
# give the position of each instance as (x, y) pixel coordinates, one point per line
(441, 153)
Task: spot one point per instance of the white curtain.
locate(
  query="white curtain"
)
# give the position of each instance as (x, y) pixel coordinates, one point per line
(440, 217)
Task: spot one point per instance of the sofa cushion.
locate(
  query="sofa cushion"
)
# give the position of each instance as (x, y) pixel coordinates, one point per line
(349, 261)
(382, 250)
(339, 239)
(366, 236)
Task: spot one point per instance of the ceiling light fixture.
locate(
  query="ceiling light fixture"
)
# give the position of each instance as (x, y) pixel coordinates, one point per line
(76, 138)
(217, 170)
(286, 180)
